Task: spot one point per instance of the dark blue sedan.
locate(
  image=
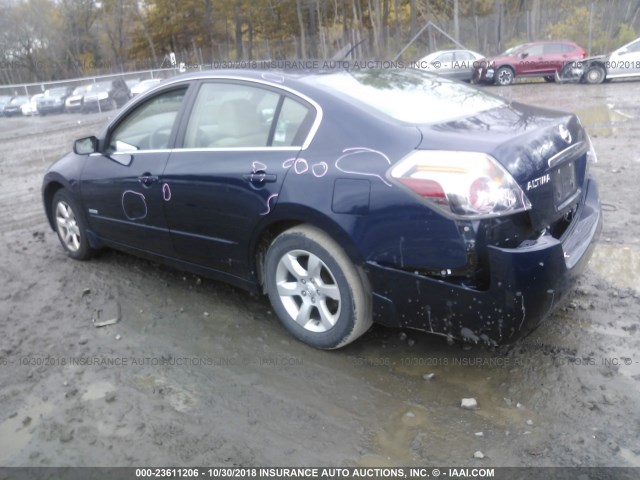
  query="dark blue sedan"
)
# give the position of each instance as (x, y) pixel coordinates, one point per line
(348, 197)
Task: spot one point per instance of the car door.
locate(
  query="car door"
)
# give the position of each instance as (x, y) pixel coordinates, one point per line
(121, 186)
(238, 144)
(532, 60)
(443, 64)
(625, 61)
(555, 56)
(463, 65)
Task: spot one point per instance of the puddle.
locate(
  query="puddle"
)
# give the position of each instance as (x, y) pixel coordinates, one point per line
(14, 434)
(618, 264)
(629, 456)
(400, 442)
(421, 430)
(603, 120)
(98, 390)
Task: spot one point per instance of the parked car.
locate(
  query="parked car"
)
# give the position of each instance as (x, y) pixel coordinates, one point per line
(108, 95)
(53, 100)
(132, 83)
(621, 63)
(31, 107)
(456, 64)
(4, 101)
(13, 107)
(73, 103)
(535, 59)
(144, 85)
(347, 197)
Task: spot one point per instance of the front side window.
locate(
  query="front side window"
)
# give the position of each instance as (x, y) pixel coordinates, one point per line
(149, 126)
(534, 50)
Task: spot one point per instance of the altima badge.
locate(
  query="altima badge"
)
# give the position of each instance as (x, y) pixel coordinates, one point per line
(565, 134)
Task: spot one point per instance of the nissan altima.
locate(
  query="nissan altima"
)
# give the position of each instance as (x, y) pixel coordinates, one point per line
(347, 197)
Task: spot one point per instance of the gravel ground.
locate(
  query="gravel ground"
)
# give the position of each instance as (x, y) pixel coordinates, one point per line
(199, 373)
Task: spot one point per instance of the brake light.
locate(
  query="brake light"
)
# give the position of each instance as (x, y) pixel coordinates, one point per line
(465, 184)
(426, 188)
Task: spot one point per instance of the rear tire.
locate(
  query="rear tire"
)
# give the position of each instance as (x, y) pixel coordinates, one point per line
(319, 295)
(549, 79)
(70, 226)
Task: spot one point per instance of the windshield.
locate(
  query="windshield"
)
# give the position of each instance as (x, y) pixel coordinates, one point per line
(19, 100)
(410, 96)
(79, 90)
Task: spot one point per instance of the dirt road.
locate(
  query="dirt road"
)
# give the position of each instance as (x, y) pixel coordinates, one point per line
(199, 373)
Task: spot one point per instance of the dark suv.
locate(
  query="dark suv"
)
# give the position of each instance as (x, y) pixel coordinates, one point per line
(534, 59)
(107, 95)
(53, 100)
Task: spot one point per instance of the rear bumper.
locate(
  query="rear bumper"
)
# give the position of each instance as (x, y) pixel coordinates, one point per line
(526, 284)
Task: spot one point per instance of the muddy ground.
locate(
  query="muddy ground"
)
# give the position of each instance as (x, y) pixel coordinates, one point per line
(203, 374)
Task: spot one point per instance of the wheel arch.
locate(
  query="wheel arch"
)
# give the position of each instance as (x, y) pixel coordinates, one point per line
(48, 192)
(598, 63)
(283, 219)
(507, 65)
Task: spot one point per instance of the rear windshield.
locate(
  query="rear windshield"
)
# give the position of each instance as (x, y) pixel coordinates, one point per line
(409, 96)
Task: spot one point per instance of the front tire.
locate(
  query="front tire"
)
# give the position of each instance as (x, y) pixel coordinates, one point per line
(595, 74)
(319, 295)
(504, 76)
(70, 226)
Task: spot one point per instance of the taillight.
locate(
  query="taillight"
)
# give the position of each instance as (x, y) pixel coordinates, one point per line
(465, 184)
(583, 54)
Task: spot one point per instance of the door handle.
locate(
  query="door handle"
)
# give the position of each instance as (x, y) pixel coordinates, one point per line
(260, 177)
(147, 179)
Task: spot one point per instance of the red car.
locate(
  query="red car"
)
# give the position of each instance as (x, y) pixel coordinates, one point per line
(534, 59)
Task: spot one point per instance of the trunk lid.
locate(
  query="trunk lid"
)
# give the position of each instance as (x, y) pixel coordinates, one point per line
(544, 150)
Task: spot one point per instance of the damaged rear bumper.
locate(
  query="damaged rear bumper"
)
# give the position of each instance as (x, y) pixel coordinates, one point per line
(526, 284)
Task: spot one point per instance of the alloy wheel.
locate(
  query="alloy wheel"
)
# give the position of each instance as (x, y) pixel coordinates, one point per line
(308, 290)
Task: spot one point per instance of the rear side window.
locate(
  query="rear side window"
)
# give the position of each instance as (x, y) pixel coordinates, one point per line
(463, 56)
(446, 57)
(554, 48)
(291, 125)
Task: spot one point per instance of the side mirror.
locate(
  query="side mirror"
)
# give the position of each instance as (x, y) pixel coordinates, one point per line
(85, 146)
(524, 55)
(622, 51)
